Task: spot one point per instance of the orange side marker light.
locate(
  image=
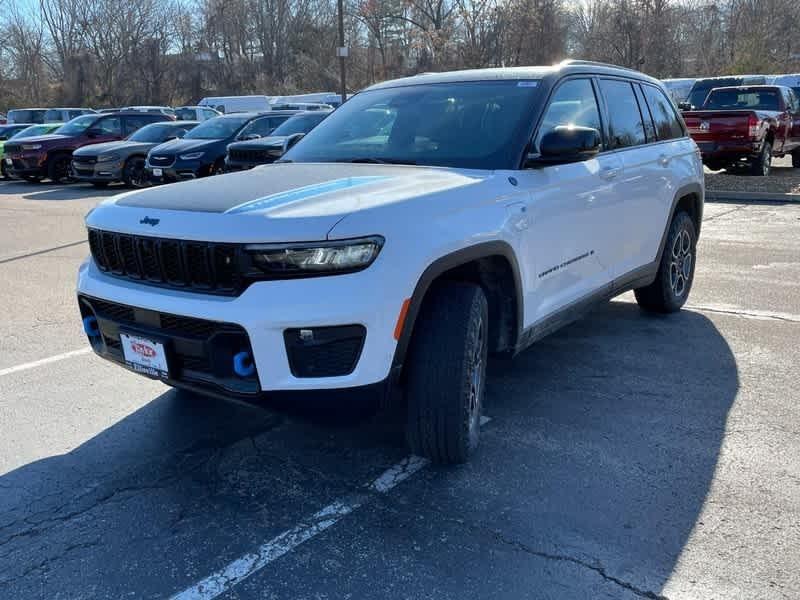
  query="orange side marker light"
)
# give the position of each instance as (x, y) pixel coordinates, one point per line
(401, 318)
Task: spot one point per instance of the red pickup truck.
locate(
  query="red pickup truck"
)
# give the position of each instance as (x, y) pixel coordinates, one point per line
(749, 124)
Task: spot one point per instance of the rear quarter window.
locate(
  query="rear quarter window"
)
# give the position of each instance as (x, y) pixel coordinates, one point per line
(668, 126)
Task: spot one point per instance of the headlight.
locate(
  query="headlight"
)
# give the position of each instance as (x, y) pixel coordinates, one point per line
(31, 146)
(323, 258)
(107, 157)
(191, 156)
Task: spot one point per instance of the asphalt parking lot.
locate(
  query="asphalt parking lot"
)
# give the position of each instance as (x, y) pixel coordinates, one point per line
(627, 456)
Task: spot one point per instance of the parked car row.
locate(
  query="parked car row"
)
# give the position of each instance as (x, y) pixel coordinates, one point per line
(146, 147)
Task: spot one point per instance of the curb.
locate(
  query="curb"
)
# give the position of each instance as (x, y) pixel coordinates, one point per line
(752, 196)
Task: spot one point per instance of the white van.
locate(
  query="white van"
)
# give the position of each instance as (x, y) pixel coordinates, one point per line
(679, 88)
(791, 80)
(234, 104)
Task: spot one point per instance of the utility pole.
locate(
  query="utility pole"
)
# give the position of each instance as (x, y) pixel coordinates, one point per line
(342, 52)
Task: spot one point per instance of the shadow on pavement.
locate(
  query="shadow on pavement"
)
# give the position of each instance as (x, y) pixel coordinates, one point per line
(603, 444)
(52, 191)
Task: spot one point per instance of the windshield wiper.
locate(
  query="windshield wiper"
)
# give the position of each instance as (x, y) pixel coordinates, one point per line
(379, 161)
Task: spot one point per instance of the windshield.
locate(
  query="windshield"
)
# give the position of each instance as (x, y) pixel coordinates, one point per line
(77, 126)
(299, 124)
(9, 131)
(480, 125)
(218, 128)
(722, 99)
(33, 130)
(157, 133)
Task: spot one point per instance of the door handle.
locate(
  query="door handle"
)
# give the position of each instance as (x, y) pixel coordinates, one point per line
(663, 160)
(609, 172)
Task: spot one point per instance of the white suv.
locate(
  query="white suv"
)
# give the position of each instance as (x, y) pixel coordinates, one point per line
(427, 222)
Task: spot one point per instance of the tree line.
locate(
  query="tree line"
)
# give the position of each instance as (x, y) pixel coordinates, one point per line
(116, 52)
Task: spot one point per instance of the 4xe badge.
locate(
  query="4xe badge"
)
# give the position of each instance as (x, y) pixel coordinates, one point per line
(150, 221)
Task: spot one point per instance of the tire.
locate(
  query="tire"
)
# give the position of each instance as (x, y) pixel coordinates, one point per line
(796, 159)
(133, 174)
(32, 178)
(447, 373)
(100, 184)
(670, 290)
(58, 168)
(3, 174)
(763, 162)
(218, 168)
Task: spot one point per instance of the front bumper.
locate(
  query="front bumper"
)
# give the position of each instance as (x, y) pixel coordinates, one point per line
(180, 170)
(105, 171)
(26, 164)
(272, 316)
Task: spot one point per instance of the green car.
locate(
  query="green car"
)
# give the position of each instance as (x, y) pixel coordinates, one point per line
(18, 131)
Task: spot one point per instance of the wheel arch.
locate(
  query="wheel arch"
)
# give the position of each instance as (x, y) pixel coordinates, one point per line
(492, 265)
(688, 198)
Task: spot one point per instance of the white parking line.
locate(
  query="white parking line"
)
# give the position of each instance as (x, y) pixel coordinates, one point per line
(43, 361)
(240, 569)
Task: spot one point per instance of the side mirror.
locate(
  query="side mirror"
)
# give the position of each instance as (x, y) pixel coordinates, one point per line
(172, 137)
(567, 145)
(290, 141)
(250, 136)
(684, 106)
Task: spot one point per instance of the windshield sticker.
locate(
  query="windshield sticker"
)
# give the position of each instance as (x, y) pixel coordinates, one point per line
(527, 83)
(303, 193)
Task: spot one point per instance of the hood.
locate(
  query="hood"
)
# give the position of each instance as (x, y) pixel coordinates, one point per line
(98, 149)
(261, 143)
(182, 146)
(44, 139)
(272, 203)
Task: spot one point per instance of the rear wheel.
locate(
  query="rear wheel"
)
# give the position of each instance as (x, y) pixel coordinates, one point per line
(762, 164)
(134, 174)
(58, 169)
(670, 290)
(447, 373)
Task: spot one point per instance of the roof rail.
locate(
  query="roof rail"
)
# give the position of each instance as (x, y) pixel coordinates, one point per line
(593, 63)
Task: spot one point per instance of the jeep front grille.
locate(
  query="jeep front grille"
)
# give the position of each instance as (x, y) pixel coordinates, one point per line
(197, 266)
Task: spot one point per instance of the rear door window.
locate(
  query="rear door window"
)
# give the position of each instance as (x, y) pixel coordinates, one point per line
(109, 126)
(625, 124)
(668, 127)
(573, 103)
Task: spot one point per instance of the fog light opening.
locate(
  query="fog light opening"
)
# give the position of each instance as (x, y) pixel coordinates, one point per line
(243, 364)
(91, 327)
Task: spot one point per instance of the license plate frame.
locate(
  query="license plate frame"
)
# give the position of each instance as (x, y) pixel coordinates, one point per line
(158, 172)
(146, 354)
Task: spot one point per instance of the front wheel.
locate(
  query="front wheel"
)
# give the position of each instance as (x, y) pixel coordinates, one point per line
(58, 168)
(763, 162)
(134, 175)
(447, 373)
(670, 290)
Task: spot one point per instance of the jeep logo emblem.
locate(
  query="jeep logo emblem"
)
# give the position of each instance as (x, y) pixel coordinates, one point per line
(149, 221)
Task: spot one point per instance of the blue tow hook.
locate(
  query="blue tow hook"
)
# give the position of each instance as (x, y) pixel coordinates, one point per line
(90, 327)
(243, 364)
